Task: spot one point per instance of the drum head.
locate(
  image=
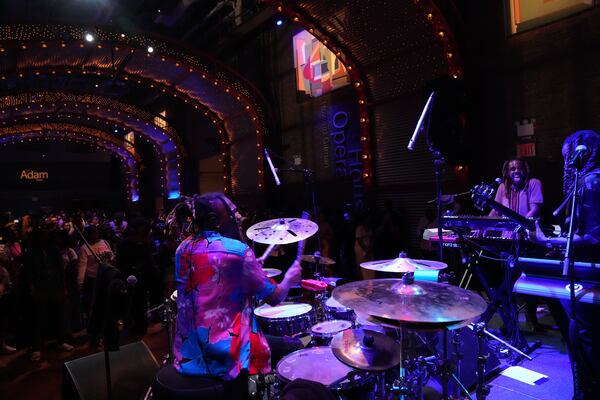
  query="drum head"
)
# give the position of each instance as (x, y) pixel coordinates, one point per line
(283, 310)
(331, 327)
(333, 303)
(306, 364)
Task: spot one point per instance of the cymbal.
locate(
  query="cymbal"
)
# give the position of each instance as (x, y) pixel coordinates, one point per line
(403, 264)
(282, 230)
(173, 296)
(428, 303)
(365, 349)
(395, 325)
(272, 272)
(312, 259)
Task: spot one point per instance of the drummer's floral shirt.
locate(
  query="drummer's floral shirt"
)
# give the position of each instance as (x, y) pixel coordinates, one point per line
(216, 333)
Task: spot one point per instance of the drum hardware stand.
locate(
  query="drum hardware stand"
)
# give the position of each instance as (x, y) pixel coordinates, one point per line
(491, 335)
(433, 365)
(260, 386)
(320, 297)
(457, 354)
(167, 321)
(482, 388)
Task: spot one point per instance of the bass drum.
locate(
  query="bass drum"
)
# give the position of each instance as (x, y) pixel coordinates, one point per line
(319, 364)
(285, 319)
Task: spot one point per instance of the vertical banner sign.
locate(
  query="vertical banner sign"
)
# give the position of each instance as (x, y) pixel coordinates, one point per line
(344, 145)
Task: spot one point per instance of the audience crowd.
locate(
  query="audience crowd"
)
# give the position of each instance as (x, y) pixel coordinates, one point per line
(50, 261)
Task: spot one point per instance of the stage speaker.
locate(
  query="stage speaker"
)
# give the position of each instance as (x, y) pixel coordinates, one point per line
(132, 370)
(469, 350)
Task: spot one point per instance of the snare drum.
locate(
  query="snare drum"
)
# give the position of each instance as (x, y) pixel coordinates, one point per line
(319, 364)
(334, 310)
(323, 332)
(285, 319)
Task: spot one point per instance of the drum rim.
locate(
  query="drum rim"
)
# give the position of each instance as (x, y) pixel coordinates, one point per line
(341, 306)
(268, 306)
(365, 376)
(327, 334)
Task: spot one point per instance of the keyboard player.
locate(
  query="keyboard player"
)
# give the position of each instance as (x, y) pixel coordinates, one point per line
(522, 194)
(518, 191)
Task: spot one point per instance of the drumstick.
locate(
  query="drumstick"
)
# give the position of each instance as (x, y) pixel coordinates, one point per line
(267, 252)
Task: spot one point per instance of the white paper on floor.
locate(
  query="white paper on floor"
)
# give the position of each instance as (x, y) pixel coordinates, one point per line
(525, 375)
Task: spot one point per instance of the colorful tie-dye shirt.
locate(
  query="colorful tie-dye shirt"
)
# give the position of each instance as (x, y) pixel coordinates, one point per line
(216, 334)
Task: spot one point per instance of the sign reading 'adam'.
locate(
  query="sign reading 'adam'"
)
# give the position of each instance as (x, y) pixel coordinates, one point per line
(31, 175)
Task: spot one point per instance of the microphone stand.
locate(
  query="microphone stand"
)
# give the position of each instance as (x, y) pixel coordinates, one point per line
(439, 162)
(106, 350)
(568, 266)
(309, 184)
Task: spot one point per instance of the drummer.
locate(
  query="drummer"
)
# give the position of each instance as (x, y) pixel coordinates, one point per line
(217, 275)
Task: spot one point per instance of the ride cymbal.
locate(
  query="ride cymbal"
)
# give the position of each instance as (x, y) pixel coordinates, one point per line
(415, 303)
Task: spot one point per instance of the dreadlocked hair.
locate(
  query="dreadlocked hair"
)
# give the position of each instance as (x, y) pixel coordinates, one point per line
(591, 140)
(506, 175)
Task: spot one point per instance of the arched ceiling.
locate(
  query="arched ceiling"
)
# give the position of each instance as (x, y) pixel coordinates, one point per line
(33, 56)
(101, 113)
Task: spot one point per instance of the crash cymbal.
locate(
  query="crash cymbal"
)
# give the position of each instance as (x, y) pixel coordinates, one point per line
(282, 231)
(403, 264)
(365, 349)
(321, 260)
(272, 272)
(427, 303)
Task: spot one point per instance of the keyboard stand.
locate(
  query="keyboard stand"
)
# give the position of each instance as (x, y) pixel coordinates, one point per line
(500, 299)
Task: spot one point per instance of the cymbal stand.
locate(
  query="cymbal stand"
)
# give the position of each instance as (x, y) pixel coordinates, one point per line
(320, 297)
(482, 389)
(457, 355)
(400, 386)
(167, 321)
(433, 365)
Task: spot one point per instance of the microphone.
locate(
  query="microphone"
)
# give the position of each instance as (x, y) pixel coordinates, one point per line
(273, 169)
(419, 127)
(132, 280)
(576, 160)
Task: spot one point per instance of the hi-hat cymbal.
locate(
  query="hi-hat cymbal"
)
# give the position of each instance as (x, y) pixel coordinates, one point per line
(282, 230)
(403, 264)
(365, 349)
(420, 303)
(321, 260)
(271, 272)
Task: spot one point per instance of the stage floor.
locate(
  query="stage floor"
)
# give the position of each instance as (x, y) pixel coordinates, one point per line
(21, 379)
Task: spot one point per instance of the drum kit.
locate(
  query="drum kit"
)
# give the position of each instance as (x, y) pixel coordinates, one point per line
(362, 341)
